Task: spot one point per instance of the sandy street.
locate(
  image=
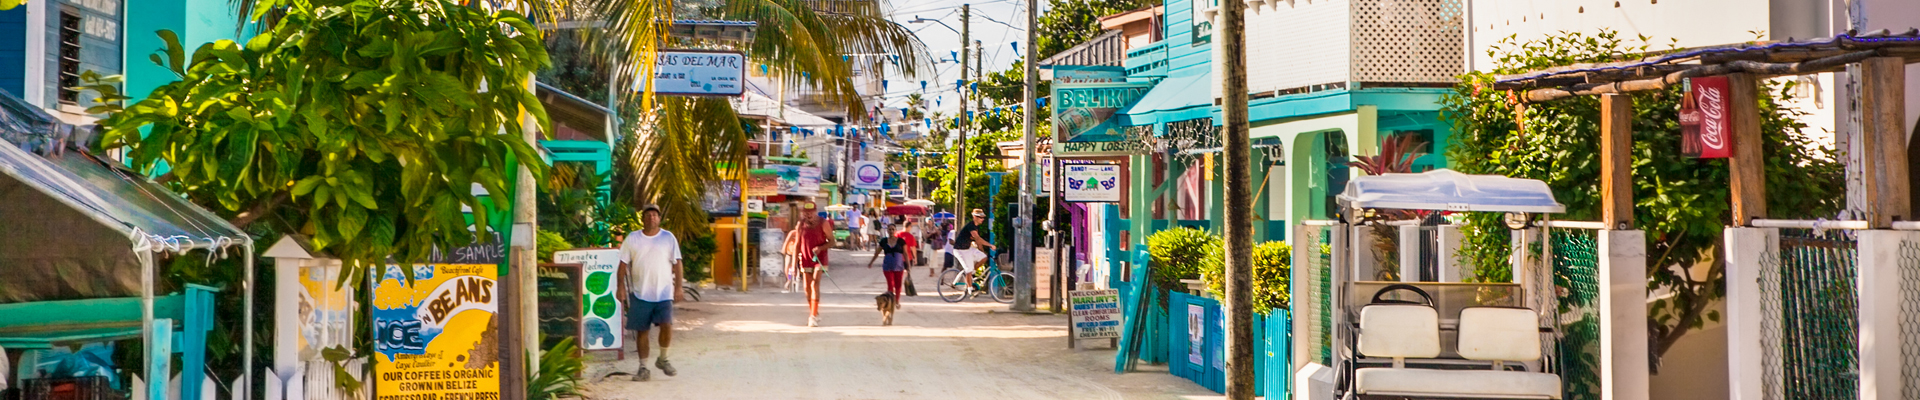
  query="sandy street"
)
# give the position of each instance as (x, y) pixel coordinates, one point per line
(757, 346)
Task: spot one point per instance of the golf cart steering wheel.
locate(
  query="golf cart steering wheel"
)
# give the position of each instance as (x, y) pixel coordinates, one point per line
(1399, 287)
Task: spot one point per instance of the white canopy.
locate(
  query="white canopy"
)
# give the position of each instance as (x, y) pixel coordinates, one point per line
(758, 105)
(1445, 189)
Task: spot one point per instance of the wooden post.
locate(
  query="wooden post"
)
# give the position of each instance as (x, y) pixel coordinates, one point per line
(1883, 120)
(1616, 161)
(1747, 169)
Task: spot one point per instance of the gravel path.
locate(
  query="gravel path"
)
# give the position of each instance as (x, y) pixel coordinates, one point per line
(757, 346)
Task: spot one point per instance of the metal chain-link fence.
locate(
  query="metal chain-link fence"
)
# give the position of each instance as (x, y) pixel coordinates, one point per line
(1819, 300)
(1576, 279)
(1910, 318)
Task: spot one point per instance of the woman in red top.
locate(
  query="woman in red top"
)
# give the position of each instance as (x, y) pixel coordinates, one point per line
(816, 237)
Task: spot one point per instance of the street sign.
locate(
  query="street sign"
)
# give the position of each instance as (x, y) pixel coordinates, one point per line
(1090, 183)
(1092, 112)
(697, 73)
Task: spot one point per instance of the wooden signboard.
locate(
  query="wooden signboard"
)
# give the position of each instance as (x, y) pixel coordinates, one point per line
(559, 298)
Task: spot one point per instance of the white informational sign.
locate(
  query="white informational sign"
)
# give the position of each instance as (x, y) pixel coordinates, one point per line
(601, 328)
(1196, 334)
(1046, 175)
(698, 73)
(756, 205)
(1091, 183)
(869, 175)
(1095, 313)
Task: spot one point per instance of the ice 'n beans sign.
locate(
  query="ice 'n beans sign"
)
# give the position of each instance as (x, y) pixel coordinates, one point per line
(698, 73)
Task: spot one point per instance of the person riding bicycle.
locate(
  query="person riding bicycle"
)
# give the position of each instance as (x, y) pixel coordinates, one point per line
(964, 245)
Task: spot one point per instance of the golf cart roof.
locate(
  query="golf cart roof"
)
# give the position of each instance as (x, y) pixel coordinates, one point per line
(1445, 189)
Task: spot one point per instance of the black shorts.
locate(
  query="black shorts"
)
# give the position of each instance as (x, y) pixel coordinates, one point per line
(643, 315)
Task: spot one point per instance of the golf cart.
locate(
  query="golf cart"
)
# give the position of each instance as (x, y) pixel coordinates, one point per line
(1406, 339)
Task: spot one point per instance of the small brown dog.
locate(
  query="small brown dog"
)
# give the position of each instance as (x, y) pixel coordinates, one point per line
(887, 303)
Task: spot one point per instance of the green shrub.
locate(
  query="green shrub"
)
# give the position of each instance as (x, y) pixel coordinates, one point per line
(696, 256)
(1180, 253)
(1272, 262)
(546, 242)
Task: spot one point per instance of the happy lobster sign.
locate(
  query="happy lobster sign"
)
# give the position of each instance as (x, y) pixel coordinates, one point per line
(1705, 131)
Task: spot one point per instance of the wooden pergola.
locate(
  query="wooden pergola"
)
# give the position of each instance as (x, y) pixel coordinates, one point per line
(1881, 56)
(1753, 242)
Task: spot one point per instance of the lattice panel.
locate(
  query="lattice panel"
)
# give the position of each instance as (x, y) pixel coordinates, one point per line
(1909, 319)
(1407, 41)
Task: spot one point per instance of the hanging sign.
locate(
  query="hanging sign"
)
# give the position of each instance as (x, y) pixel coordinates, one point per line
(601, 321)
(869, 175)
(1090, 183)
(1133, 141)
(697, 73)
(1705, 123)
(1092, 112)
(797, 180)
(436, 336)
(763, 182)
(1095, 314)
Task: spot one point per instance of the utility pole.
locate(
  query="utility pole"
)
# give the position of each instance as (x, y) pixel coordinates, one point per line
(1239, 349)
(1023, 273)
(960, 147)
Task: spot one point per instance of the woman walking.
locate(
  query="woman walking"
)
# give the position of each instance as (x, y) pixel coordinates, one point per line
(894, 252)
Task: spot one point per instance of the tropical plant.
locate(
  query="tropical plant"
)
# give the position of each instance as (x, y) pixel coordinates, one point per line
(696, 260)
(1179, 253)
(559, 373)
(361, 129)
(1682, 203)
(1272, 261)
(1396, 157)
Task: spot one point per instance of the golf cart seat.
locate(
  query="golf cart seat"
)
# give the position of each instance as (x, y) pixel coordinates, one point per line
(1497, 334)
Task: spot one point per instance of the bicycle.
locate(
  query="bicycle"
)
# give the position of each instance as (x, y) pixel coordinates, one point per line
(988, 279)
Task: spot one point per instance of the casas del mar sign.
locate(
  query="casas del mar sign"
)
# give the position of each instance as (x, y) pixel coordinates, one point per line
(697, 73)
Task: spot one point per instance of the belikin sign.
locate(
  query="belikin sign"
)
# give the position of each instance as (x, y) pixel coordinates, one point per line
(1705, 123)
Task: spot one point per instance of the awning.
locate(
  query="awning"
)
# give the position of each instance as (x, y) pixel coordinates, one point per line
(1179, 97)
(1445, 189)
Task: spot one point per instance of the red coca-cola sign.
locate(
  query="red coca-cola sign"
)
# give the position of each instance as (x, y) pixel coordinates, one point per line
(1705, 126)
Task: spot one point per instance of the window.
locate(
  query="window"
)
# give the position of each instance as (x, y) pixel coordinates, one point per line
(69, 57)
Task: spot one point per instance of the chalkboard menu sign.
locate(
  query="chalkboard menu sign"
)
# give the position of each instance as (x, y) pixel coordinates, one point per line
(559, 300)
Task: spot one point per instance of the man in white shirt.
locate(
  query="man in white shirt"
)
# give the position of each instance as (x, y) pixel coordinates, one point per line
(650, 265)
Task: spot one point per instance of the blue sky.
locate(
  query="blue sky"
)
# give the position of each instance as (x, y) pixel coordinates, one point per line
(996, 39)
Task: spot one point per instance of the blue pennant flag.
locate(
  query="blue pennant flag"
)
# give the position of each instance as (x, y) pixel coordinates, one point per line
(883, 85)
(976, 87)
(923, 86)
(959, 84)
(1016, 47)
(1042, 101)
(763, 69)
(929, 123)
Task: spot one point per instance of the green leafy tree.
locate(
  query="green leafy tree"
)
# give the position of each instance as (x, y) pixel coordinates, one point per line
(362, 124)
(1681, 203)
(1068, 23)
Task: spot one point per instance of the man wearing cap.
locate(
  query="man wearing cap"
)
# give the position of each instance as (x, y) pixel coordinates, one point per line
(650, 261)
(964, 245)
